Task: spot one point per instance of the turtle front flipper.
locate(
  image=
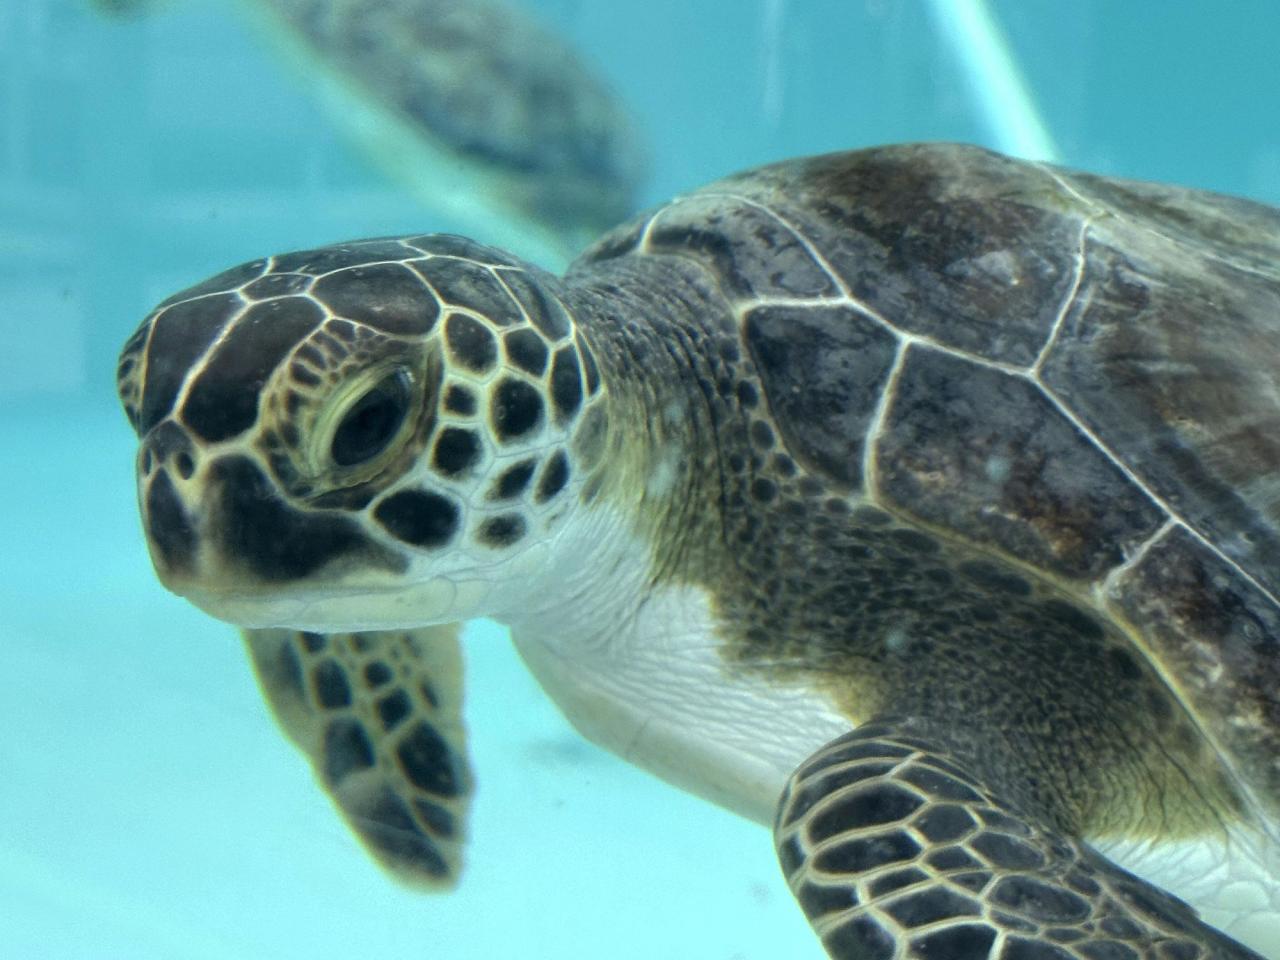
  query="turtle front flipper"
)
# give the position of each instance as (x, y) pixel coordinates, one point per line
(895, 850)
(380, 716)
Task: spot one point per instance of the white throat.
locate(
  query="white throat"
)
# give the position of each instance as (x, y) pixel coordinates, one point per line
(638, 670)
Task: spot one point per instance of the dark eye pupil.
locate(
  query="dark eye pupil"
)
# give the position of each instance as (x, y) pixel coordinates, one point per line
(372, 422)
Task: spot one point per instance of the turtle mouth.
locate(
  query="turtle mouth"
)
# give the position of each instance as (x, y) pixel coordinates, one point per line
(353, 608)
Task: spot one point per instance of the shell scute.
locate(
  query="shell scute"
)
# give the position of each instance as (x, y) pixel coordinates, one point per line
(935, 238)
(985, 453)
(753, 253)
(1169, 358)
(843, 359)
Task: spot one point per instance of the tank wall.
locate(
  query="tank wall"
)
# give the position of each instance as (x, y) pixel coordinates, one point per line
(149, 808)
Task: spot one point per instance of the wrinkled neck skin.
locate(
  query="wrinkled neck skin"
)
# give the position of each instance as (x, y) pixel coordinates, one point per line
(624, 627)
(645, 516)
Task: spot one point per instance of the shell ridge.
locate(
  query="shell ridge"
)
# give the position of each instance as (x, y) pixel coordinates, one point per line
(1068, 301)
(1154, 497)
(870, 445)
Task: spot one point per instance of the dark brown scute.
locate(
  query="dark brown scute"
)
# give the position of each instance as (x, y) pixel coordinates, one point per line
(842, 358)
(967, 247)
(1219, 636)
(985, 453)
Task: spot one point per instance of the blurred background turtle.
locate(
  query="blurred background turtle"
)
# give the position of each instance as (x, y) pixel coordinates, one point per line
(480, 110)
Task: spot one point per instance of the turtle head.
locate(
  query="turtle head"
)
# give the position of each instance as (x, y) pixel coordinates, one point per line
(377, 434)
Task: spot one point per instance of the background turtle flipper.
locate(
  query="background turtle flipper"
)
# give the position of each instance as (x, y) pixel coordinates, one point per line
(380, 716)
(895, 851)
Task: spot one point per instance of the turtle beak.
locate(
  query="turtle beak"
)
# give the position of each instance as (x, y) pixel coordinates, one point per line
(221, 534)
(166, 452)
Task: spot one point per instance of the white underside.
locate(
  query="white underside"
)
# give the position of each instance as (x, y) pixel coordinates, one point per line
(1234, 883)
(657, 694)
(670, 707)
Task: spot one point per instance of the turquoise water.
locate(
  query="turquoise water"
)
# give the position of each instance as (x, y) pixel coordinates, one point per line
(148, 806)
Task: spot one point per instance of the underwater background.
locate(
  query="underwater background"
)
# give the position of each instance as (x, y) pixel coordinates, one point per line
(148, 805)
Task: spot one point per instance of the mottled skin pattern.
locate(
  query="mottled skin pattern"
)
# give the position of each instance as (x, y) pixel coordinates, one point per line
(944, 867)
(307, 323)
(982, 451)
(381, 717)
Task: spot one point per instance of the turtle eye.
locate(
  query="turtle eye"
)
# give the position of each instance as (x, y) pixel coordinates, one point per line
(372, 422)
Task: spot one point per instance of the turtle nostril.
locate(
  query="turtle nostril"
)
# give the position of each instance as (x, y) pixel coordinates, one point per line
(168, 443)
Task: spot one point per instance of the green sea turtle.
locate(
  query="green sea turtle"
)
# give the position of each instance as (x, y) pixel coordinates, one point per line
(920, 501)
(474, 105)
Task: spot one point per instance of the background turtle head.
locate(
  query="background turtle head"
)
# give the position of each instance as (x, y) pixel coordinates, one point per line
(373, 434)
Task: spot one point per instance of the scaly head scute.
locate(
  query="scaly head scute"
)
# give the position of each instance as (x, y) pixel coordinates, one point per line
(360, 435)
